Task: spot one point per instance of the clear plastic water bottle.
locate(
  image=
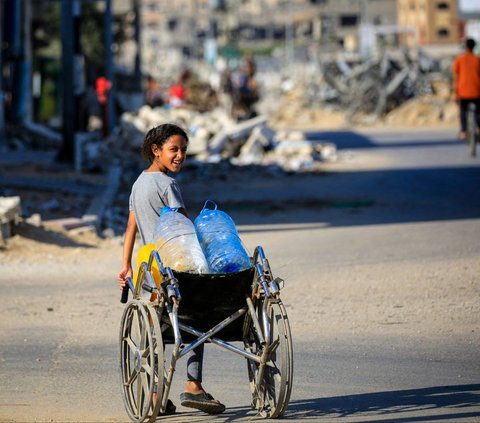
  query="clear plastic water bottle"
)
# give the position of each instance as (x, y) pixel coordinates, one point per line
(220, 242)
(177, 243)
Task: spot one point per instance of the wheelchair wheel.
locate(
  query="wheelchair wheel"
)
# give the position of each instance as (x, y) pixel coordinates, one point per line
(141, 361)
(271, 391)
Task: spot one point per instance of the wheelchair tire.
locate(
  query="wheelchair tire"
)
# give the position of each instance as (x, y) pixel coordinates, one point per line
(271, 391)
(141, 361)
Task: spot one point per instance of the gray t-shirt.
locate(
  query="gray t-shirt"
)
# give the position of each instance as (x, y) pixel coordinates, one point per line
(150, 192)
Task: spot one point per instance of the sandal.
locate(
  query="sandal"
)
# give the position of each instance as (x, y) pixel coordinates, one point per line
(203, 402)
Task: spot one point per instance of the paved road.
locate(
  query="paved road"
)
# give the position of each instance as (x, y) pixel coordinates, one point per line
(381, 254)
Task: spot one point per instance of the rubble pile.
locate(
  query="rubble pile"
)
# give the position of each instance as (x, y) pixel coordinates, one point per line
(342, 93)
(214, 136)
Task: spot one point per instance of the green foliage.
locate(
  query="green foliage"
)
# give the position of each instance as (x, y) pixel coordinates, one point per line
(92, 35)
(46, 29)
(47, 32)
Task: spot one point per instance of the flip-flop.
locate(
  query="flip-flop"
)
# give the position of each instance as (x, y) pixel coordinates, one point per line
(203, 402)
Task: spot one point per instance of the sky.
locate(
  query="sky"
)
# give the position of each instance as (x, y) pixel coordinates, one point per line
(469, 5)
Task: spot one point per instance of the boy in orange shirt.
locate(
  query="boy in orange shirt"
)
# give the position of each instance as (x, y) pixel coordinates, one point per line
(466, 73)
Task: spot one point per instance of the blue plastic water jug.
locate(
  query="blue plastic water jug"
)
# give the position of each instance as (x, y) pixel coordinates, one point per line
(177, 243)
(220, 242)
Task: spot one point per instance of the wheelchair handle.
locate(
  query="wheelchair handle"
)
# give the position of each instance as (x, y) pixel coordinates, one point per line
(128, 286)
(124, 297)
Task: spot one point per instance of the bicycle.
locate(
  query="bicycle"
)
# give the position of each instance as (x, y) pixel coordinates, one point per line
(472, 130)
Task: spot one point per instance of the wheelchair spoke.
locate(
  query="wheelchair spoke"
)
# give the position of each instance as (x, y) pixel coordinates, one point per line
(132, 379)
(139, 397)
(148, 369)
(137, 325)
(276, 374)
(274, 345)
(130, 343)
(144, 380)
(143, 336)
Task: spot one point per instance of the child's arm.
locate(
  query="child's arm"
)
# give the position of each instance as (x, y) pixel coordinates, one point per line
(129, 242)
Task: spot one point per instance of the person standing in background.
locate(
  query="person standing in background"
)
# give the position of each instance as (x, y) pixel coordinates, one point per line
(177, 95)
(102, 88)
(466, 84)
(153, 94)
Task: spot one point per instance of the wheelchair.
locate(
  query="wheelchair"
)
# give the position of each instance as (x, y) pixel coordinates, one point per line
(176, 308)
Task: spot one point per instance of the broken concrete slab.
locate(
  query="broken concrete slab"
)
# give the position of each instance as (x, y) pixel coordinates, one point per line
(240, 130)
(252, 152)
(10, 215)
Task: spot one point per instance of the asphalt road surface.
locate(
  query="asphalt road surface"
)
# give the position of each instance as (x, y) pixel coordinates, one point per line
(381, 257)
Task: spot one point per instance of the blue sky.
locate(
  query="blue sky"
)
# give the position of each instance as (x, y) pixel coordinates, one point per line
(469, 5)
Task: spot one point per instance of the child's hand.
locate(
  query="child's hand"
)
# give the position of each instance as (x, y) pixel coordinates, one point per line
(123, 275)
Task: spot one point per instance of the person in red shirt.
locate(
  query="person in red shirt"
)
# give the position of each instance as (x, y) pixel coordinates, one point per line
(103, 87)
(177, 93)
(466, 73)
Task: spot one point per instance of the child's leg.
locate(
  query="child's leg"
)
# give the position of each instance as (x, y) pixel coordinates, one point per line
(195, 364)
(194, 395)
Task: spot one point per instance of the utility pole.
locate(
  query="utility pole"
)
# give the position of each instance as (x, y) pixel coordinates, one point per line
(109, 75)
(14, 40)
(68, 106)
(2, 95)
(78, 68)
(137, 37)
(26, 63)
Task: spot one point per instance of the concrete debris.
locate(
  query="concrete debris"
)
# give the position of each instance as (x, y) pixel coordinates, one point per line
(257, 143)
(233, 133)
(214, 136)
(34, 220)
(34, 135)
(290, 150)
(10, 211)
(356, 92)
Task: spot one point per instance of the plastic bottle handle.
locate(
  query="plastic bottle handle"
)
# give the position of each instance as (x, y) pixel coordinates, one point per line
(167, 209)
(205, 205)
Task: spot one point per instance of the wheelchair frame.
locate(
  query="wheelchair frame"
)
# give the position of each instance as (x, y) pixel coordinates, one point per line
(153, 316)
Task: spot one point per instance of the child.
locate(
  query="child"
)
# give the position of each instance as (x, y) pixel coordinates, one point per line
(165, 147)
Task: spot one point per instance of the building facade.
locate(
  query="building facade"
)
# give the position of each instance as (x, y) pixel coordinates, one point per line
(172, 31)
(429, 22)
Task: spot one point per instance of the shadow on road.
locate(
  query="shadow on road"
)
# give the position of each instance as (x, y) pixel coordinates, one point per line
(411, 405)
(463, 401)
(361, 198)
(430, 177)
(48, 236)
(355, 140)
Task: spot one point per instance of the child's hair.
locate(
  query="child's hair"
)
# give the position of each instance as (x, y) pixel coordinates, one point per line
(158, 136)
